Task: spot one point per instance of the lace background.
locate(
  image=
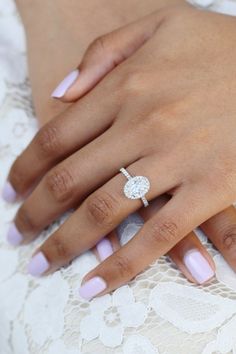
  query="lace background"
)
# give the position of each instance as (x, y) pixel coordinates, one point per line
(158, 312)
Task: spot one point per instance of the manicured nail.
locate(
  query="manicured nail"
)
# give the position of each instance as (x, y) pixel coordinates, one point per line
(104, 249)
(92, 288)
(38, 265)
(65, 84)
(8, 193)
(198, 266)
(14, 237)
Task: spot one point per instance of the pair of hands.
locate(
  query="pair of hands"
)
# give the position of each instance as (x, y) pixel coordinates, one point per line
(158, 97)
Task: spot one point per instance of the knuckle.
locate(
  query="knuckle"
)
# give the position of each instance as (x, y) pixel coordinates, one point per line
(60, 248)
(102, 208)
(165, 232)
(100, 44)
(176, 13)
(47, 141)
(59, 182)
(25, 221)
(163, 119)
(167, 113)
(147, 124)
(173, 11)
(132, 83)
(229, 237)
(123, 266)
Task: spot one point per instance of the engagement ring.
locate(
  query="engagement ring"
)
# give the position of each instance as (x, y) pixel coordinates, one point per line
(136, 187)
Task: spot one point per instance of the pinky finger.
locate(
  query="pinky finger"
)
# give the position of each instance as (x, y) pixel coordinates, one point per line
(193, 260)
(189, 255)
(107, 246)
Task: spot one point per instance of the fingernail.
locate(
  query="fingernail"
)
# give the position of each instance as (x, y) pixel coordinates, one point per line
(198, 266)
(92, 288)
(38, 265)
(14, 237)
(104, 249)
(65, 84)
(8, 193)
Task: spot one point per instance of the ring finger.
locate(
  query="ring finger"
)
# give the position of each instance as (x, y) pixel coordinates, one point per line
(67, 184)
(98, 215)
(64, 186)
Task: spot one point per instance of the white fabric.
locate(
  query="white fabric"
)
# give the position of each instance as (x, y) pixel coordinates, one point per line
(158, 313)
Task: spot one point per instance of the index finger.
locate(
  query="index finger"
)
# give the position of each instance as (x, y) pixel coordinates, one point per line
(58, 139)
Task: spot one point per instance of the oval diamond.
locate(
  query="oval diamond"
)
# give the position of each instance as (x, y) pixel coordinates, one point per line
(136, 187)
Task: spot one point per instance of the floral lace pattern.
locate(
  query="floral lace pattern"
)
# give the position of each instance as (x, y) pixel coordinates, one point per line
(110, 315)
(159, 312)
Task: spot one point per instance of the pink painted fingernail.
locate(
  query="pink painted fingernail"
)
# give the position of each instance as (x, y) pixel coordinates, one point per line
(92, 288)
(198, 266)
(14, 237)
(104, 249)
(8, 193)
(65, 84)
(38, 265)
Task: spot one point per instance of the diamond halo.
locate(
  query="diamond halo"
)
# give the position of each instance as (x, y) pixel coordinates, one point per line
(136, 187)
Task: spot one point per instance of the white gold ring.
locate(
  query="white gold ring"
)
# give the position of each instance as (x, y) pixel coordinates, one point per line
(136, 187)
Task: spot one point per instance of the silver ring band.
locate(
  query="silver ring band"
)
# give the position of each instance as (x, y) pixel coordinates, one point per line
(136, 187)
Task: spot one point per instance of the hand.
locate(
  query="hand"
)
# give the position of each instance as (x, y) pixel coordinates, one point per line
(154, 119)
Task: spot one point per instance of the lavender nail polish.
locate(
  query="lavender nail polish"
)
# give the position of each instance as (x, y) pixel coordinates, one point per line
(65, 84)
(38, 265)
(198, 266)
(104, 248)
(92, 288)
(8, 193)
(14, 237)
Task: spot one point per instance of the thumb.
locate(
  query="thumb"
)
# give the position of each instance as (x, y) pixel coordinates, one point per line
(104, 54)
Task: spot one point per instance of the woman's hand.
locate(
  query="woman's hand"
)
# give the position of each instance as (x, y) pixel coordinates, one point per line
(167, 112)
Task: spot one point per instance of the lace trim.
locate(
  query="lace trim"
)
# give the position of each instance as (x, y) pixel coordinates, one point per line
(158, 312)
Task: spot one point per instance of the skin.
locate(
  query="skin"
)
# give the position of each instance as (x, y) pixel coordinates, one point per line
(56, 49)
(162, 122)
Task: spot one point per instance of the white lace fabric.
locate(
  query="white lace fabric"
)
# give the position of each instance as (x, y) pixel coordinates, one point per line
(158, 312)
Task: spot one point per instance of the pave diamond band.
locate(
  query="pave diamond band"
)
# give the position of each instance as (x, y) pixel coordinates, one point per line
(136, 187)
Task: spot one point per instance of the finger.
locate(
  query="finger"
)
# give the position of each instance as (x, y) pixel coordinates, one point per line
(104, 249)
(193, 260)
(104, 54)
(190, 256)
(65, 134)
(221, 230)
(99, 214)
(107, 246)
(160, 234)
(67, 184)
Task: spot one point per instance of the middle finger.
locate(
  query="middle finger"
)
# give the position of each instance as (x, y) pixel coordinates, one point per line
(65, 134)
(68, 183)
(98, 215)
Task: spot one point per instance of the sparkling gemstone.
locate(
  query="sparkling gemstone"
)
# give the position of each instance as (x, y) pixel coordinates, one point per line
(136, 187)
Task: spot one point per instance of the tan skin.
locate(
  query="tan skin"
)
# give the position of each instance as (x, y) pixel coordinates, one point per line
(170, 131)
(58, 35)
